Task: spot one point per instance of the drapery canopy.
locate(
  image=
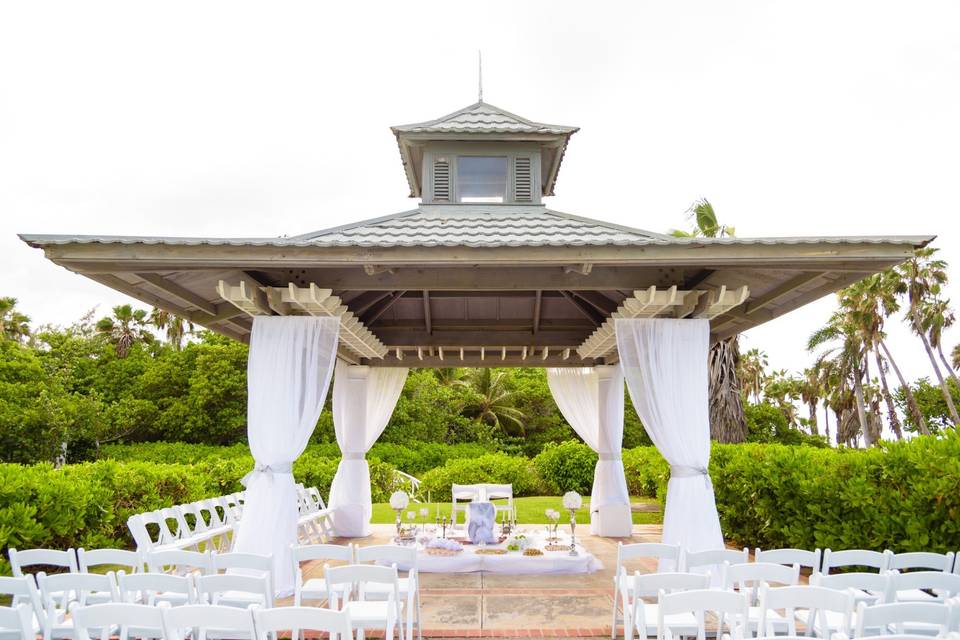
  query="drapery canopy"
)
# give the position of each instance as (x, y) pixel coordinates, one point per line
(363, 400)
(591, 400)
(288, 373)
(665, 365)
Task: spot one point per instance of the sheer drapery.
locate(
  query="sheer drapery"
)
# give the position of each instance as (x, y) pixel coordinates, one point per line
(288, 373)
(665, 365)
(363, 400)
(591, 400)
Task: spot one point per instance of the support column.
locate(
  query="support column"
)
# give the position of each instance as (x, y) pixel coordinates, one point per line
(610, 502)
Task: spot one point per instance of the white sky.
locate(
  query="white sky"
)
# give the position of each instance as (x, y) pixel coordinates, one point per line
(203, 118)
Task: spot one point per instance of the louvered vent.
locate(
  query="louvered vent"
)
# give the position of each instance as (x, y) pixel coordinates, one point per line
(523, 180)
(441, 181)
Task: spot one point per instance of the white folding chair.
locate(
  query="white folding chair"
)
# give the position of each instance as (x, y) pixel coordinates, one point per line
(806, 603)
(923, 586)
(404, 558)
(854, 558)
(461, 495)
(711, 561)
(747, 577)
(16, 623)
(501, 492)
(179, 562)
(923, 560)
(150, 532)
(871, 588)
(154, 588)
(642, 617)
(802, 557)
(729, 607)
(926, 618)
(669, 554)
(41, 557)
(316, 588)
(353, 581)
(98, 621)
(231, 590)
(59, 591)
(120, 559)
(244, 564)
(22, 590)
(203, 621)
(273, 621)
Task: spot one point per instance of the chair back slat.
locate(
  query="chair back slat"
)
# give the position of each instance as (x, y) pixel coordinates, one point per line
(132, 561)
(854, 558)
(40, 558)
(803, 557)
(230, 622)
(272, 621)
(898, 615)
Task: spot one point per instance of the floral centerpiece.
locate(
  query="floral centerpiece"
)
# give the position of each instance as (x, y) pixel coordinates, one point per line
(398, 502)
(553, 519)
(572, 502)
(443, 547)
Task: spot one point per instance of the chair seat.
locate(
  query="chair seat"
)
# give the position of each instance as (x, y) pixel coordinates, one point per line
(241, 599)
(378, 589)
(778, 621)
(366, 612)
(833, 619)
(316, 589)
(915, 595)
(679, 623)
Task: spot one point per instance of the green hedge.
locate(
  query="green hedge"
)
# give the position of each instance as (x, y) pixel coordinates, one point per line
(567, 466)
(493, 467)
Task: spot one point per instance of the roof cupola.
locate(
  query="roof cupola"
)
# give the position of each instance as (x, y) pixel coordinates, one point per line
(482, 154)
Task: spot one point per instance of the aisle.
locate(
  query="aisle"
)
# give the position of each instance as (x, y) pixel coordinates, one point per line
(487, 605)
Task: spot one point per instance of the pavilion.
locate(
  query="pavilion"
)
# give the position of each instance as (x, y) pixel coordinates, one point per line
(480, 273)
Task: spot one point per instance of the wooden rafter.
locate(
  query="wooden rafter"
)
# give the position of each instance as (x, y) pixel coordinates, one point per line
(426, 311)
(537, 305)
(585, 309)
(374, 313)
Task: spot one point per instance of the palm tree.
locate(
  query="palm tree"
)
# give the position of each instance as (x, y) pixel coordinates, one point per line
(810, 393)
(13, 324)
(848, 357)
(753, 372)
(491, 401)
(955, 357)
(727, 422)
(937, 316)
(923, 276)
(449, 377)
(176, 327)
(125, 328)
(781, 390)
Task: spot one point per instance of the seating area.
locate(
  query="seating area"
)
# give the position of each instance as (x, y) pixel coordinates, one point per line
(660, 590)
(212, 523)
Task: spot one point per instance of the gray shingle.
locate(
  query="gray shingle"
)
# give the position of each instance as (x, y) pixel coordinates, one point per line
(483, 118)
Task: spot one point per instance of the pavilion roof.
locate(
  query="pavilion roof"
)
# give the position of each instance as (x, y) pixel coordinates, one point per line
(482, 117)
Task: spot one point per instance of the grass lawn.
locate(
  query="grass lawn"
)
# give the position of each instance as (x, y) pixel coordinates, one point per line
(530, 510)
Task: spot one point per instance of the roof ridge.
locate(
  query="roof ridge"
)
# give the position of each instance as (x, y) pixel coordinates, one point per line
(450, 116)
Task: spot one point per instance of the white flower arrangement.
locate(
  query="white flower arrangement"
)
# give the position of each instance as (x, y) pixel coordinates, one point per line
(553, 515)
(399, 500)
(572, 500)
(444, 543)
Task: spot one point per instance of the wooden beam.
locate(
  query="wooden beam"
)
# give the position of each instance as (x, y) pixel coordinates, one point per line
(586, 310)
(426, 311)
(410, 339)
(179, 292)
(752, 307)
(246, 296)
(598, 301)
(472, 359)
(381, 307)
(359, 304)
(537, 304)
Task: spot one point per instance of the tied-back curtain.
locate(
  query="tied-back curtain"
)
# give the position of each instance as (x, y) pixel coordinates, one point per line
(665, 365)
(591, 400)
(288, 373)
(363, 401)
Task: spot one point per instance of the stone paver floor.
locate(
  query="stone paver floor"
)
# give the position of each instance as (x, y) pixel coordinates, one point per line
(473, 605)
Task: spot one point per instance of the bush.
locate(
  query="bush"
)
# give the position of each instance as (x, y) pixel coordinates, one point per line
(492, 467)
(646, 472)
(566, 467)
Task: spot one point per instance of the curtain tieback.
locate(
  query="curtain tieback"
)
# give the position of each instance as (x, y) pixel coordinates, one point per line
(683, 471)
(354, 456)
(614, 457)
(268, 469)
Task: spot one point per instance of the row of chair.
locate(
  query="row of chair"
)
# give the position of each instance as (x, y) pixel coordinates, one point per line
(191, 621)
(814, 610)
(211, 522)
(770, 564)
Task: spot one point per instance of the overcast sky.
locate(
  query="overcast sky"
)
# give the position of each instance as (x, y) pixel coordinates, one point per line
(202, 118)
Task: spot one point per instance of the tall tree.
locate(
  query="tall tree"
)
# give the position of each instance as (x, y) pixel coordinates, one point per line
(125, 328)
(810, 394)
(727, 421)
(955, 357)
(492, 402)
(923, 277)
(753, 372)
(13, 324)
(938, 316)
(175, 327)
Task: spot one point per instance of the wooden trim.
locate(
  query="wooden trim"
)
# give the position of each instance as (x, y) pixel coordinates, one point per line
(177, 291)
(537, 304)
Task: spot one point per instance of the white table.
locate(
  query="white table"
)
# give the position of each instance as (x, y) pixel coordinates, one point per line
(512, 562)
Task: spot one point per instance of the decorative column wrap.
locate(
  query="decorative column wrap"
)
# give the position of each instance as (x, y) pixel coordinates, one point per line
(363, 401)
(665, 365)
(288, 373)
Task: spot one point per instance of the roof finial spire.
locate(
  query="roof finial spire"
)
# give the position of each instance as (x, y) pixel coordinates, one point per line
(479, 76)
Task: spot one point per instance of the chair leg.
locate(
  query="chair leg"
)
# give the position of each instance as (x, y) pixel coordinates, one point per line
(419, 623)
(628, 615)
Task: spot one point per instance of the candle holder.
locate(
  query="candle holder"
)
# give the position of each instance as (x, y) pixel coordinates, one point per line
(572, 502)
(573, 528)
(398, 502)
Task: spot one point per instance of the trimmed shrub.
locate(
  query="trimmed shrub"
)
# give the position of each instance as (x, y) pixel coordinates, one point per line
(492, 467)
(646, 472)
(566, 467)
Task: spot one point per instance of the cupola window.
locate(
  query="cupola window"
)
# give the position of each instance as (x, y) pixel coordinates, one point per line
(482, 178)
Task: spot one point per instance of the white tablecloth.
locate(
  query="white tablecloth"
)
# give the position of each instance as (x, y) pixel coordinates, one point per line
(512, 562)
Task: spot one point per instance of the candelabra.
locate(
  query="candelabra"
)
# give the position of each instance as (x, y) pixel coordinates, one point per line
(572, 501)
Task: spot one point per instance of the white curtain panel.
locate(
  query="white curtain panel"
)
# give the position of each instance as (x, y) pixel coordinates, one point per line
(665, 364)
(363, 401)
(591, 400)
(288, 372)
